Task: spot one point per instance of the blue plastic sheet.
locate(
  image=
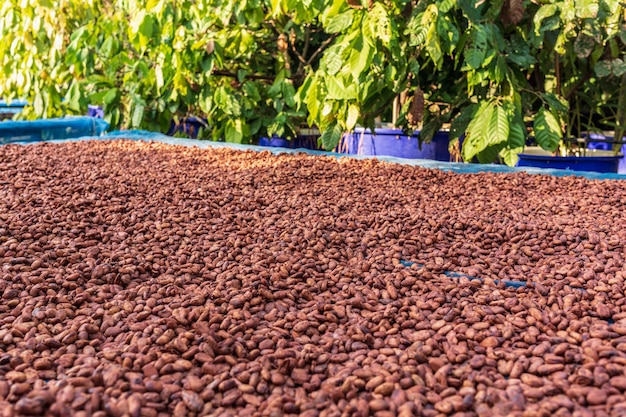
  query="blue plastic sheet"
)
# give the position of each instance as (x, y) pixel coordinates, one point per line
(458, 275)
(50, 129)
(10, 109)
(460, 168)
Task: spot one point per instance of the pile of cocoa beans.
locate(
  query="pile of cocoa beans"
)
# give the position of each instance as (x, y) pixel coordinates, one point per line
(144, 279)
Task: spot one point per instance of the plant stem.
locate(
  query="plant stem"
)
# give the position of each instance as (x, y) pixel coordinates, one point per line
(233, 75)
(557, 67)
(321, 48)
(620, 128)
(305, 49)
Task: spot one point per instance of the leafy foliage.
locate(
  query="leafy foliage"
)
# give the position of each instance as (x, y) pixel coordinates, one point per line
(488, 69)
(238, 64)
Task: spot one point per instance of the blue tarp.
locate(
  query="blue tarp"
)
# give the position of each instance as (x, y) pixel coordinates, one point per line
(95, 127)
(51, 129)
(8, 110)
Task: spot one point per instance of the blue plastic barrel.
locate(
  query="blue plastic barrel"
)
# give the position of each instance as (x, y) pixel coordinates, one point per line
(599, 141)
(8, 110)
(51, 129)
(595, 161)
(306, 141)
(393, 142)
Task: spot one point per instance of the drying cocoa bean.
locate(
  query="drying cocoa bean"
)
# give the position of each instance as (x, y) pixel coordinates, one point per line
(150, 279)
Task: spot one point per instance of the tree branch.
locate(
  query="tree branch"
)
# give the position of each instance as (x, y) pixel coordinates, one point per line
(321, 48)
(222, 73)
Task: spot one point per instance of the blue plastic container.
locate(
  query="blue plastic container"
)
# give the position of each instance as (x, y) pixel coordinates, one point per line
(306, 141)
(95, 111)
(393, 142)
(595, 161)
(7, 111)
(189, 126)
(51, 129)
(598, 141)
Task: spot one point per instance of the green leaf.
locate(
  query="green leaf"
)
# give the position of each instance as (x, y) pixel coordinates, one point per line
(333, 59)
(137, 115)
(445, 5)
(475, 141)
(109, 46)
(288, 93)
(586, 9)
(74, 96)
(497, 129)
(333, 10)
(360, 57)
(547, 130)
(461, 121)
(337, 90)
(233, 131)
(340, 22)
(111, 96)
(517, 134)
(379, 22)
(510, 155)
(602, 68)
(331, 136)
(490, 153)
(227, 102)
(555, 102)
(472, 9)
(618, 67)
(433, 47)
(518, 52)
(432, 125)
(38, 105)
(487, 133)
(251, 91)
(158, 77)
(475, 54)
(353, 116)
(546, 11)
(417, 29)
(448, 34)
(584, 45)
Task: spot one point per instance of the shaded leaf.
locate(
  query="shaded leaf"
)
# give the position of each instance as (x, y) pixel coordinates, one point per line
(432, 125)
(331, 136)
(461, 121)
(584, 45)
(137, 115)
(602, 68)
(555, 102)
(618, 67)
(547, 130)
(517, 135)
(475, 142)
(512, 12)
(490, 153)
